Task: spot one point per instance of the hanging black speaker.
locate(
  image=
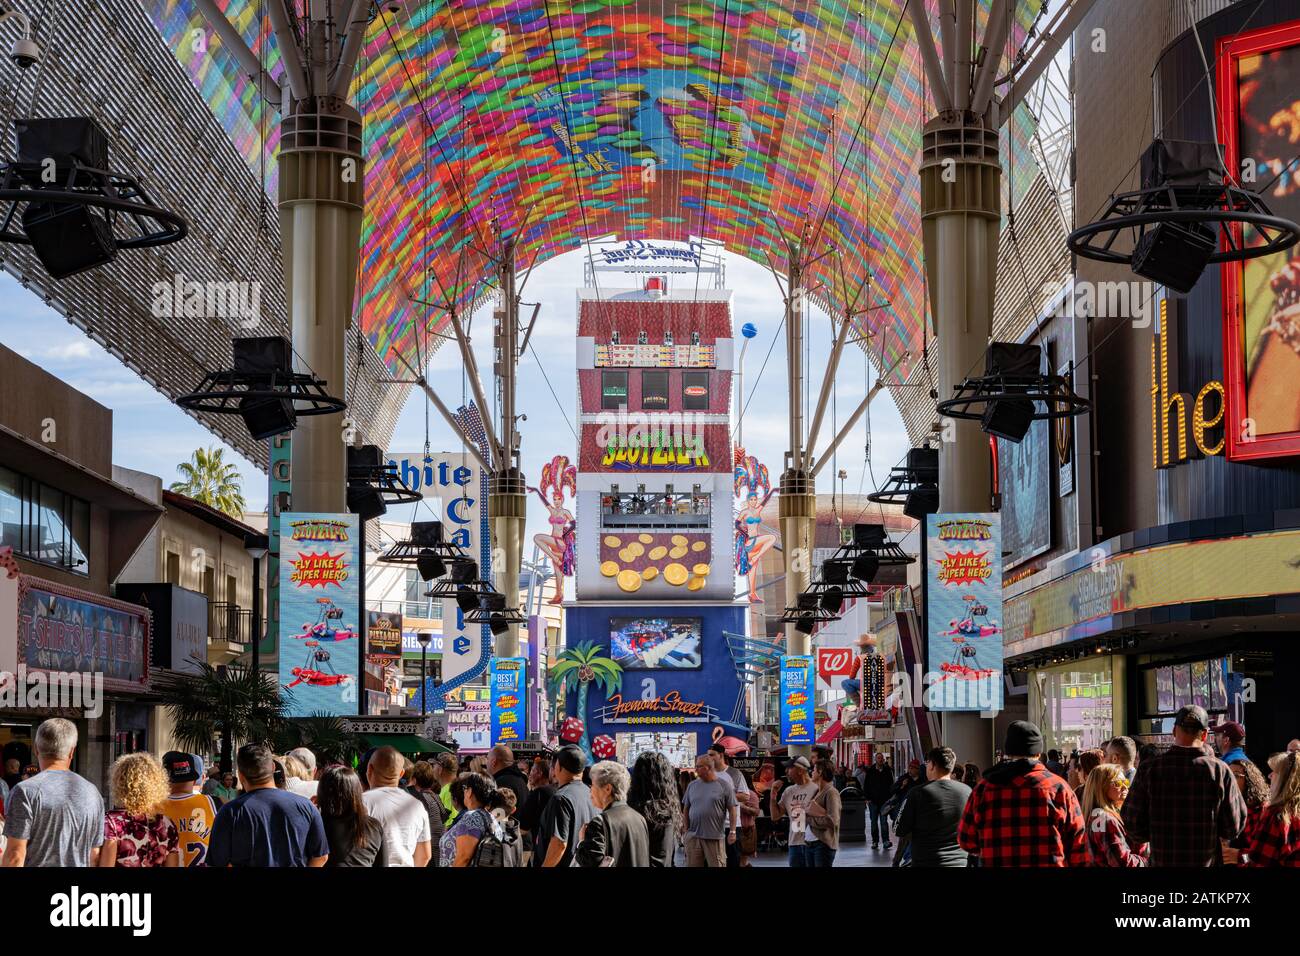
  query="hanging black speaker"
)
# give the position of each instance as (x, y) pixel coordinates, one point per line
(68, 238)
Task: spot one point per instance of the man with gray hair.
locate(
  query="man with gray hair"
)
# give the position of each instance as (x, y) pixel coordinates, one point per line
(618, 833)
(55, 818)
(304, 788)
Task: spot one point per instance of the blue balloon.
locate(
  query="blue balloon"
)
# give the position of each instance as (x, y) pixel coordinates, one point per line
(749, 330)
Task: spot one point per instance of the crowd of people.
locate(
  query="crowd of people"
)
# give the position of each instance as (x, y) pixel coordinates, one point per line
(1110, 807)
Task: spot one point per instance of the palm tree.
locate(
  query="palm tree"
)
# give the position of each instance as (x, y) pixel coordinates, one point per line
(575, 669)
(211, 480)
(325, 735)
(233, 704)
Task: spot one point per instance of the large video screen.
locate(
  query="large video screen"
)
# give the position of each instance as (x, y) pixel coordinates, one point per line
(1260, 113)
(1024, 472)
(654, 643)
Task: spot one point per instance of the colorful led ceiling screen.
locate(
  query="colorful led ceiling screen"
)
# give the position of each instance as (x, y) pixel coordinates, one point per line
(551, 121)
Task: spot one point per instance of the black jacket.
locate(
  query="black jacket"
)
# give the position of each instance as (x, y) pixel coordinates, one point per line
(618, 832)
(880, 783)
(513, 778)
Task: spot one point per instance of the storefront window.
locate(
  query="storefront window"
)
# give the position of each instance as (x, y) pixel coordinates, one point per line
(43, 523)
(1168, 687)
(1073, 704)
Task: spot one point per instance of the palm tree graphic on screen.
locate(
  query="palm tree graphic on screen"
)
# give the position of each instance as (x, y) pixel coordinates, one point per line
(575, 670)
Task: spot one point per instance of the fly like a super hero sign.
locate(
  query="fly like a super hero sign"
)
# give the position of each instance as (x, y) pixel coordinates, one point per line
(797, 699)
(964, 612)
(320, 652)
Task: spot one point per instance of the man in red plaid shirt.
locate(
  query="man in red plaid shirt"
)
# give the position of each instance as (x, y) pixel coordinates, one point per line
(1184, 801)
(1022, 814)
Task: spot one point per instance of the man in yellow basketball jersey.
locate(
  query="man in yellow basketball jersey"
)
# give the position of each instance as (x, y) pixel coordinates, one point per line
(191, 811)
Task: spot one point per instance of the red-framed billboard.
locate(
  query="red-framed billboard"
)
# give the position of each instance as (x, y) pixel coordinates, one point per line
(1259, 120)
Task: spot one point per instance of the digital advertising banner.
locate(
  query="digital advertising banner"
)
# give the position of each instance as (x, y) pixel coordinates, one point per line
(319, 608)
(964, 612)
(509, 724)
(1256, 90)
(797, 699)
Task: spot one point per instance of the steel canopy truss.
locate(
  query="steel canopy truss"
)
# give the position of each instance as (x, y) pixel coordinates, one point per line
(105, 59)
(551, 122)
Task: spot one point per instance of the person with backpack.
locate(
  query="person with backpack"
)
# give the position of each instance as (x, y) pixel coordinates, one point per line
(477, 838)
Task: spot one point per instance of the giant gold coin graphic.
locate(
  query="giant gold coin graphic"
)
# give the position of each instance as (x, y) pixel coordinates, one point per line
(644, 538)
(678, 552)
(636, 549)
(675, 574)
(650, 573)
(699, 545)
(609, 568)
(629, 580)
(695, 584)
(612, 541)
(700, 570)
(626, 555)
(679, 540)
(657, 552)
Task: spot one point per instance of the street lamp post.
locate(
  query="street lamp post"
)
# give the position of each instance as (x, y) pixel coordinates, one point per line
(425, 638)
(257, 545)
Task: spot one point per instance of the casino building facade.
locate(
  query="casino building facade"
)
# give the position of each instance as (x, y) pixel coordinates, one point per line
(1174, 578)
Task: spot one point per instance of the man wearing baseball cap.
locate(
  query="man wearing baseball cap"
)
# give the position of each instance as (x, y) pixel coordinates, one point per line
(1184, 801)
(1231, 737)
(191, 811)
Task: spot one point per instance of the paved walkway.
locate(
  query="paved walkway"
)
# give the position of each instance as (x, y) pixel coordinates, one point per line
(850, 854)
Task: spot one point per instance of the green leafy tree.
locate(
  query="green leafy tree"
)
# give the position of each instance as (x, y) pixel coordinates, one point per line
(325, 735)
(575, 669)
(209, 478)
(228, 706)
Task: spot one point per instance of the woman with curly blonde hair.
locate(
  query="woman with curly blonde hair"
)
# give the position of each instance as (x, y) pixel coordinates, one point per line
(137, 833)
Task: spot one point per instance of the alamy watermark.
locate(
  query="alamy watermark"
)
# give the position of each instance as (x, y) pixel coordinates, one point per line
(187, 298)
(63, 690)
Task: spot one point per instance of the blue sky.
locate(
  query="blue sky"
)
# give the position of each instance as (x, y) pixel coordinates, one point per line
(152, 435)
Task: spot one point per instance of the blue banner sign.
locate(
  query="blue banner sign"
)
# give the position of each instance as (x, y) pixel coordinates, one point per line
(797, 699)
(509, 725)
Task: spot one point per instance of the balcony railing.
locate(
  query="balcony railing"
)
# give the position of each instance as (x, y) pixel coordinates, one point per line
(427, 608)
(228, 622)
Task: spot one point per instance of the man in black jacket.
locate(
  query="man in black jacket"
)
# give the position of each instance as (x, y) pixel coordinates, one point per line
(617, 836)
(932, 812)
(879, 786)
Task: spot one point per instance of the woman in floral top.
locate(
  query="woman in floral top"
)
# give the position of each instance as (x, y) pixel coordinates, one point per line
(138, 834)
